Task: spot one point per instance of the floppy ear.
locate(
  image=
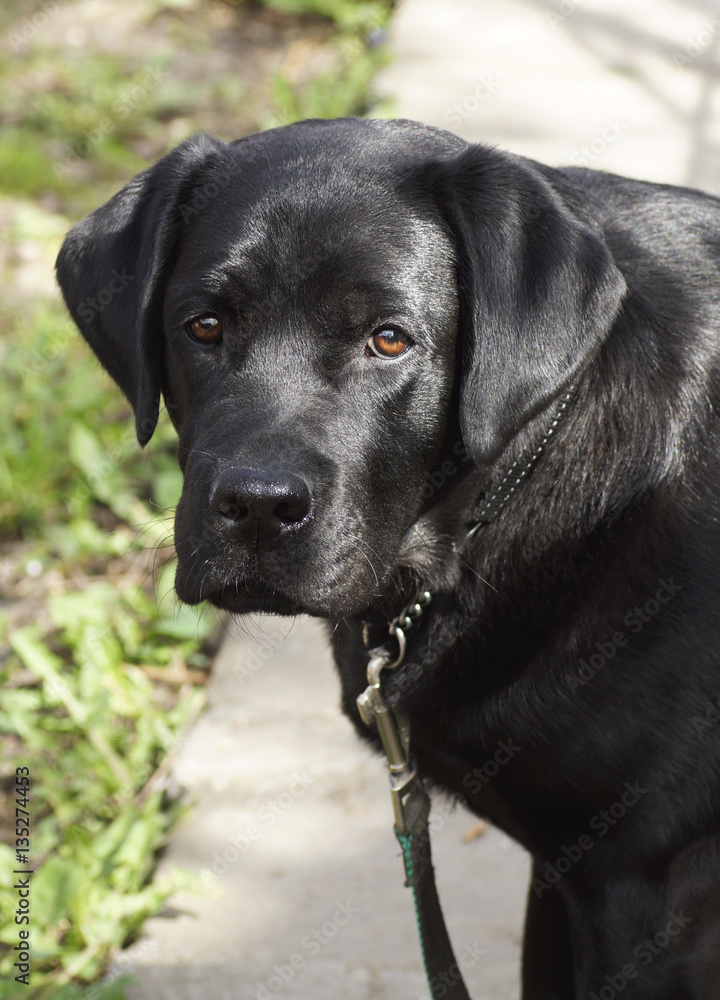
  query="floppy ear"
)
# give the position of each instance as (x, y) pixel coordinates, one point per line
(538, 289)
(113, 267)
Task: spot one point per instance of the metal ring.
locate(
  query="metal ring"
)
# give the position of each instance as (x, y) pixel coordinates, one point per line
(400, 636)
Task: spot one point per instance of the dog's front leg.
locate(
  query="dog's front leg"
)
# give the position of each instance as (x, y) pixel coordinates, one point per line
(547, 965)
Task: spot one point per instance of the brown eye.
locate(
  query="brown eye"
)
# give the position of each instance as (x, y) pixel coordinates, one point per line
(388, 343)
(205, 329)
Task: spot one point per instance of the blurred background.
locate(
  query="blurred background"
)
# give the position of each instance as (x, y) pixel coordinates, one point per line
(127, 708)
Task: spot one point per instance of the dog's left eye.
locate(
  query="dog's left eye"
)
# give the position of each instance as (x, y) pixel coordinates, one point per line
(206, 329)
(388, 343)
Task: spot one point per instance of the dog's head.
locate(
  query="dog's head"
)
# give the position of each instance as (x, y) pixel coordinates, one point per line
(326, 307)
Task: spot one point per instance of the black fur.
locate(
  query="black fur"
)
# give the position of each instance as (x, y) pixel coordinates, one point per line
(566, 680)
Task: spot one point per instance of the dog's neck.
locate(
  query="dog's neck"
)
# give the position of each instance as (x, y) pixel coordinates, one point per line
(378, 627)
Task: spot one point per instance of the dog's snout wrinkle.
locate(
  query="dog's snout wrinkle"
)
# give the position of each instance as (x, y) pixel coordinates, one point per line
(260, 504)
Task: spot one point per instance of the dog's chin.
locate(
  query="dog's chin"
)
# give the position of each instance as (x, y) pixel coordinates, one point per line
(244, 597)
(240, 603)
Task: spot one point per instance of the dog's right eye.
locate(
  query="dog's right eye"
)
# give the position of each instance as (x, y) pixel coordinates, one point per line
(387, 342)
(205, 329)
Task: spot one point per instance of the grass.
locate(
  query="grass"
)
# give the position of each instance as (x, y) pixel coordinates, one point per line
(81, 656)
(94, 732)
(77, 128)
(101, 674)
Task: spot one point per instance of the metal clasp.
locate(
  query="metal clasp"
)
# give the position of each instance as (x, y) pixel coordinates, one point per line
(393, 726)
(394, 733)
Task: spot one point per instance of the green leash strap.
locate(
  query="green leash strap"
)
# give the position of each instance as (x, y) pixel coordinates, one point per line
(411, 808)
(441, 967)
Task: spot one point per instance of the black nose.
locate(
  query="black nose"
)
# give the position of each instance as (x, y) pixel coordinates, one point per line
(260, 504)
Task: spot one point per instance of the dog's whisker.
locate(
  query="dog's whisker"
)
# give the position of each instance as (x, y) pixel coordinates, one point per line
(475, 573)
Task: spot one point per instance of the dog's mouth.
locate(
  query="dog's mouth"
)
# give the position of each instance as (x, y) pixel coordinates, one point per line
(263, 542)
(242, 598)
(246, 588)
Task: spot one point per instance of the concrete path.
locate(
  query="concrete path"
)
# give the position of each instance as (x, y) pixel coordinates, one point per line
(298, 876)
(299, 882)
(632, 88)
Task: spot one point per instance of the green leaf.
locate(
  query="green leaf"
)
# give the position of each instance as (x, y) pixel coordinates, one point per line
(18, 714)
(37, 658)
(103, 476)
(55, 887)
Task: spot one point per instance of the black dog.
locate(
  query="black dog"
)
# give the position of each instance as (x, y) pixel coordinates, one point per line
(358, 328)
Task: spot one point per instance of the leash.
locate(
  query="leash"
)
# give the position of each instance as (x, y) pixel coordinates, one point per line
(411, 811)
(410, 800)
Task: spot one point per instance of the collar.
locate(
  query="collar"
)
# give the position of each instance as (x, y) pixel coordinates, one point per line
(490, 506)
(393, 634)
